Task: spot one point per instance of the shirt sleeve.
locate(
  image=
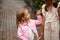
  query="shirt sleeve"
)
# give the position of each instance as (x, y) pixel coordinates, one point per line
(43, 10)
(39, 20)
(58, 10)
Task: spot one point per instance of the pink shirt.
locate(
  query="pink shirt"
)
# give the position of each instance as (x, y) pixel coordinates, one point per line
(23, 30)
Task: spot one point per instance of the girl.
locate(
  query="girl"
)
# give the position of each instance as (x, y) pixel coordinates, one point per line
(51, 20)
(26, 26)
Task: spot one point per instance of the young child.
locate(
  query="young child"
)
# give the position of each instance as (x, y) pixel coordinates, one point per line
(26, 27)
(51, 20)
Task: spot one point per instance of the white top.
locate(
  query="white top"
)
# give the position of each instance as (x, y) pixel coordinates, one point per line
(31, 34)
(50, 15)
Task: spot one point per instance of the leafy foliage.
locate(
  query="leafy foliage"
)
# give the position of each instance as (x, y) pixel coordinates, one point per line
(37, 3)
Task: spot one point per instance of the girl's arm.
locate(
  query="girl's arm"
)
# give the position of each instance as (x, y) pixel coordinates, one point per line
(43, 21)
(43, 24)
(39, 18)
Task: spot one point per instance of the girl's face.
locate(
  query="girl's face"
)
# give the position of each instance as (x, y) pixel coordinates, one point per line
(27, 15)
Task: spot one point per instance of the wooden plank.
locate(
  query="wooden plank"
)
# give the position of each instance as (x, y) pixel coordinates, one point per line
(4, 27)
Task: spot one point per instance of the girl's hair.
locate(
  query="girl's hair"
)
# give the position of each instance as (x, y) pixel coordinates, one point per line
(19, 15)
(49, 4)
(55, 4)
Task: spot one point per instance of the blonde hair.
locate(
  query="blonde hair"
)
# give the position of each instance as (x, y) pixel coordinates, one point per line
(19, 15)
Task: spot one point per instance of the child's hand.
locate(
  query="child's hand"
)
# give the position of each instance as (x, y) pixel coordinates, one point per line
(42, 35)
(38, 12)
(39, 38)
